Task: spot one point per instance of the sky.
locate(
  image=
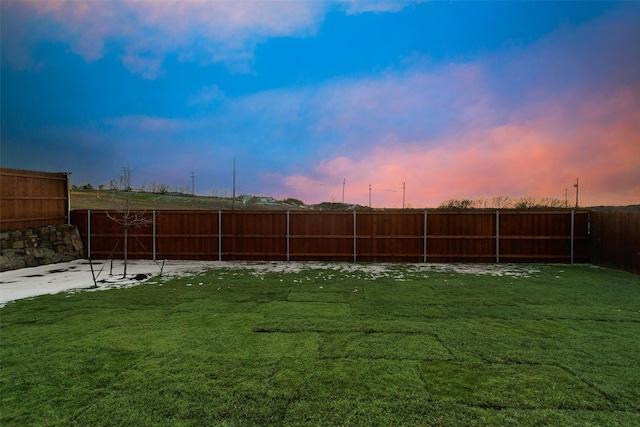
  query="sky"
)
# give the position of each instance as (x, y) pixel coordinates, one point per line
(414, 102)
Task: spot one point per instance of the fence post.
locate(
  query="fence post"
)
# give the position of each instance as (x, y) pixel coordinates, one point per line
(288, 253)
(89, 233)
(154, 235)
(68, 182)
(219, 235)
(497, 236)
(572, 227)
(424, 239)
(355, 252)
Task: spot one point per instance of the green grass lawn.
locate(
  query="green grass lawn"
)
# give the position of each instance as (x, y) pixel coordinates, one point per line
(559, 345)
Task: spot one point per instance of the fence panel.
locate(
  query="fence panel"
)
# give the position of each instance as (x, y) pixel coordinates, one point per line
(615, 239)
(186, 235)
(102, 234)
(461, 236)
(390, 236)
(32, 199)
(321, 236)
(248, 235)
(543, 236)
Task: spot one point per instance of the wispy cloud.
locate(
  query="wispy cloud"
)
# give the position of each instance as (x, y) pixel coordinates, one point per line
(354, 7)
(146, 31)
(206, 96)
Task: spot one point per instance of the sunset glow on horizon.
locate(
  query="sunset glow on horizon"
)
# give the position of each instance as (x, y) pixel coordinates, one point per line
(431, 101)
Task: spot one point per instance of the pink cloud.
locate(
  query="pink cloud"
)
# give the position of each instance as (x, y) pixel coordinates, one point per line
(596, 140)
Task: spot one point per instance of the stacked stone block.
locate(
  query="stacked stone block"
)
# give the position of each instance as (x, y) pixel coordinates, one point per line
(30, 247)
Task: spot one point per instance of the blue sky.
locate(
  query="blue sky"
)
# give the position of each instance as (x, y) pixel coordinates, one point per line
(450, 99)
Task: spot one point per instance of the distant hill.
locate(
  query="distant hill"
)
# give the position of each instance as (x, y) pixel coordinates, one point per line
(109, 199)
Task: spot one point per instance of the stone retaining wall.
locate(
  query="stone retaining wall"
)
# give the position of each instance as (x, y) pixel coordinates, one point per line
(30, 247)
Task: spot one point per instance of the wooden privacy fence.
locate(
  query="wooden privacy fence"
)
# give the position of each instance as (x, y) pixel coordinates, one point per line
(369, 236)
(615, 239)
(32, 199)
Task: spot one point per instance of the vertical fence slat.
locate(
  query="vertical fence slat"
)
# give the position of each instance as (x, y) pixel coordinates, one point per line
(68, 176)
(424, 239)
(497, 237)
(288, 238)
(154, 236)
(354, 237)
(571, 234)
(219, 235)
(89, 233)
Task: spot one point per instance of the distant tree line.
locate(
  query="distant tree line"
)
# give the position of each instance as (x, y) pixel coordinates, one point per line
(504, 202)
(76, 187)
(118, 185)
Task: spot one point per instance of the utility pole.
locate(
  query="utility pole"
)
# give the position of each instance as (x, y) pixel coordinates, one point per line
(576, 186)
(369, 195)
(193, 186)
(233, 200)
(404, 188)
(566, 197)
(344, 182)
